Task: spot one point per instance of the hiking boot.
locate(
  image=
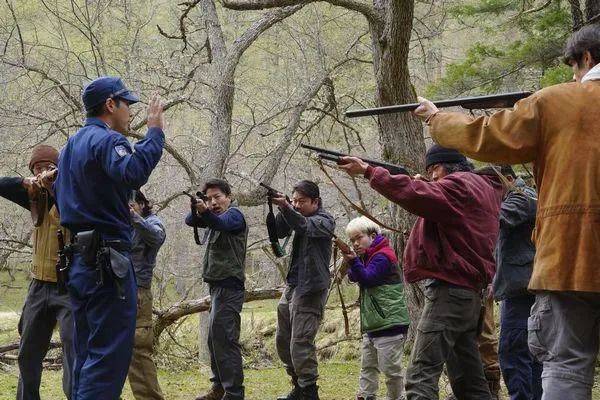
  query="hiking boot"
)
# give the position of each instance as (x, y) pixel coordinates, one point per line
(295, 394)
(215, 393)
(310, 393)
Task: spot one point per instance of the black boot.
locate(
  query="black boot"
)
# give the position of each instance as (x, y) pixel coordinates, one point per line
(295, 394)
(310, 392)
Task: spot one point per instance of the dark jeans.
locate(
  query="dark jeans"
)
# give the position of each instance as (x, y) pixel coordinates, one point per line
(522, 373)
(43, 308)
(447, 334)
(224, 340)
(104, 332)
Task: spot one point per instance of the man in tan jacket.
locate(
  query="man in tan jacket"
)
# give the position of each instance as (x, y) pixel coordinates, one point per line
(557, 128)
(45, 307)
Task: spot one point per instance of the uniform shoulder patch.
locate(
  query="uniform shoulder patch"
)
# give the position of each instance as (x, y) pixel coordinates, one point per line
(121, 150)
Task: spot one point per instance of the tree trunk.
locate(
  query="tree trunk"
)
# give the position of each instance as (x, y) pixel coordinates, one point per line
(401, 134)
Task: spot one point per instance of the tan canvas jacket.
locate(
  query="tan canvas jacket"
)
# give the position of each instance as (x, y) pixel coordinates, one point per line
(45, 246)
(557, 128)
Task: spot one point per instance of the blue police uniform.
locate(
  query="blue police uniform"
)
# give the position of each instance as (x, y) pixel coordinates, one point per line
(98, 172)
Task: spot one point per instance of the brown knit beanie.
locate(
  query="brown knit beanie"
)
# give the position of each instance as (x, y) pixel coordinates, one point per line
(42, 153)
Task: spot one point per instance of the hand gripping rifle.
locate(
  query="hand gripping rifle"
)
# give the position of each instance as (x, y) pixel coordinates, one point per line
(336, 157)
(505, 100)
(193, 202)
(278, 250)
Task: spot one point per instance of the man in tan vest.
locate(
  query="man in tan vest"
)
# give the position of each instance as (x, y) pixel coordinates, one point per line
(558, 129)
(44, 306)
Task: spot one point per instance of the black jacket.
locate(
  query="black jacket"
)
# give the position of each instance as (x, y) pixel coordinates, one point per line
(515, 251)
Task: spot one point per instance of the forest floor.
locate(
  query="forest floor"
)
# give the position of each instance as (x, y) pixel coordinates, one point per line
(181, 375)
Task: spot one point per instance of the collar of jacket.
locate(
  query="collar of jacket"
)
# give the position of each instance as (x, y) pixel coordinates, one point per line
(381, 244)
(96, 122)
(592, 75)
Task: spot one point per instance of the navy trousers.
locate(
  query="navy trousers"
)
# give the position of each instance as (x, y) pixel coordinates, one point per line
(104, 332)
(521, 372)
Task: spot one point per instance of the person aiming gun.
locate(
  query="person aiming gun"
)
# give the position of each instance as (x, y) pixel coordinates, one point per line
(302, 304)
(45, 305)
(223, 269)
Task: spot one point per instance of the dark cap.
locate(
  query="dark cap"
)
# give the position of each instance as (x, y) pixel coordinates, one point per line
(441, 155)
(43, 153)
(103, 88)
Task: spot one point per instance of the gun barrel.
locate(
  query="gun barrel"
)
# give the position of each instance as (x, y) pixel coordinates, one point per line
(332, 155)
(269, 188)
(478, 102)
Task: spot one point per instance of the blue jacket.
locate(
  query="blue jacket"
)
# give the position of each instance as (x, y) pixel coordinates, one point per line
(98, 170)
(515, 251)
(148, 237)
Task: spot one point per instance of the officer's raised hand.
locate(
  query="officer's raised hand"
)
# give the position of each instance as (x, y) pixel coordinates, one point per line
(155, 117)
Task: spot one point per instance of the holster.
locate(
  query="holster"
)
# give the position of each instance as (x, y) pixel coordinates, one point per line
(116, 265)
(87, 244)
(102, 255)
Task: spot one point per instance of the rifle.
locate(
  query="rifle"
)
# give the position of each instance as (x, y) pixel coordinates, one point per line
(505, 100)
(278, 250)
(336, 156)
(193, 202)
(62, 264)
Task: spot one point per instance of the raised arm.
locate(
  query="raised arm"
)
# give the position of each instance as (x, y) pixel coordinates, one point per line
(440, 201)
(318, 225)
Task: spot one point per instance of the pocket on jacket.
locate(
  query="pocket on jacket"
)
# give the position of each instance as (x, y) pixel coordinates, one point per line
(377, 307)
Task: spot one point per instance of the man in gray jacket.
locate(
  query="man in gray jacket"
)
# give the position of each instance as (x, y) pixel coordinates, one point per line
(514, 264)
(148, 237)
(302, 304)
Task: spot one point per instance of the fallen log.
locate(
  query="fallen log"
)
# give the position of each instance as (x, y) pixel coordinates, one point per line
(170, 315)
(5, 348)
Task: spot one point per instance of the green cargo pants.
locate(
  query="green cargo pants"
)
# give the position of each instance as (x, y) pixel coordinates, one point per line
(142, 370)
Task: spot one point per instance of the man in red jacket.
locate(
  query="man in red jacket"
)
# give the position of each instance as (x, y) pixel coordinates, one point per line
(450, 248)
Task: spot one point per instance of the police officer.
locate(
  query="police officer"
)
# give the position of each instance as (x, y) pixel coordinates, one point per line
(99, 171)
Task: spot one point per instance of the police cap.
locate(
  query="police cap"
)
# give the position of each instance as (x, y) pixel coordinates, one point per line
(106, 87)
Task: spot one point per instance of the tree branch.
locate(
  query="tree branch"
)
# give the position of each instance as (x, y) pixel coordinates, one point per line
(354, 5)
(241, 44)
